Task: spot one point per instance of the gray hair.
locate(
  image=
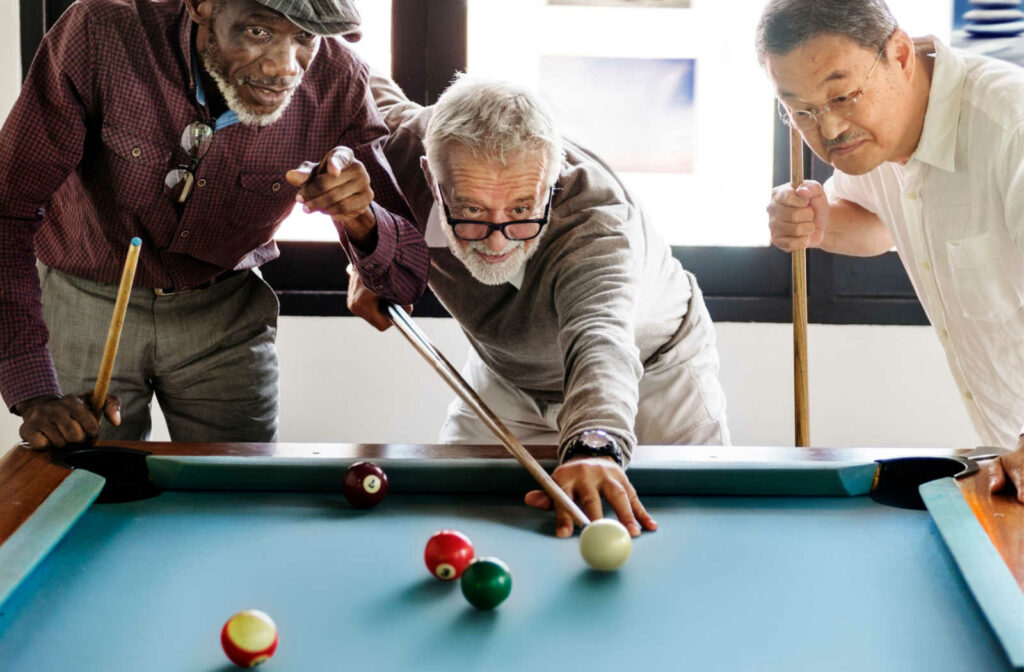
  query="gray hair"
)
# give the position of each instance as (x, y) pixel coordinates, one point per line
(495, 120)
(787, 24)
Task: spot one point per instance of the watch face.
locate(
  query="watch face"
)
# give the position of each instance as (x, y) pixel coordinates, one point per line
(595, 439)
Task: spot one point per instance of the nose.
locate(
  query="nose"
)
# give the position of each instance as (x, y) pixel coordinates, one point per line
(496, 242)
(281, 60)
(832, 125)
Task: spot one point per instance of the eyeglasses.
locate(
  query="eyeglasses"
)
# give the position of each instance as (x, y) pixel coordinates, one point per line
(520, 229)
(843, 106)
(195, 141)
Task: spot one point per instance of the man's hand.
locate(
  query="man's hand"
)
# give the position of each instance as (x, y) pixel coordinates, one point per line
(1006, 472)
(363, 303)
(55, 422)
(586, 480)
(339, 186)
(798, 218)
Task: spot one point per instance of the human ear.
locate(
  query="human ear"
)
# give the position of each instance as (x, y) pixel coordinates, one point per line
(200, 11)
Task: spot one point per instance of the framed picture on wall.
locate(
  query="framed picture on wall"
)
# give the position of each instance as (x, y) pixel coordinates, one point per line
(991, 27)
(601, 98)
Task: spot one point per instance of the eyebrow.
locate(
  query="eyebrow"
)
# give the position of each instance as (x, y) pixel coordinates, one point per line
(472, 201)
(834, 76)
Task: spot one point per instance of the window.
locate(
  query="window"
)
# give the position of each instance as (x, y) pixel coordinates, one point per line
(375, 49)
(704, 48)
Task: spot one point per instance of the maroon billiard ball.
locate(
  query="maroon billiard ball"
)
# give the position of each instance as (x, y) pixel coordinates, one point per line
(365, 485)
(447, 554)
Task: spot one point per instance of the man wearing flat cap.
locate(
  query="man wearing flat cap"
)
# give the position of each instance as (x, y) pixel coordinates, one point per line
(194, 125)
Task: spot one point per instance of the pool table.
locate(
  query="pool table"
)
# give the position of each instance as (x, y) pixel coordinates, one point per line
(132, 556)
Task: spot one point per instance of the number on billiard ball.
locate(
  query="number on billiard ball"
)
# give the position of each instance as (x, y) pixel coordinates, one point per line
(447, 554)
(249, 638)
(365, 485)
(486, 583)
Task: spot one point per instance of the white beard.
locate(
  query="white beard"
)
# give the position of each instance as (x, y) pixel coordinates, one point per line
(491, 274)
(234, 101)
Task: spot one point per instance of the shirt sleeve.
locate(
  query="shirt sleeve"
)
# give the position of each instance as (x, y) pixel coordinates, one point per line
(1013, 194)
(595, 297)
(41, 143)
(397, 267)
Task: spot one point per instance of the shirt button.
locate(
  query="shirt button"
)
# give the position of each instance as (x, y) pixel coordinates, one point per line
(912, 195)
(944, 333)
(136, 152)
(926, 266)
(968, 396)
(201, 182)
(276, 186)
(184, 234)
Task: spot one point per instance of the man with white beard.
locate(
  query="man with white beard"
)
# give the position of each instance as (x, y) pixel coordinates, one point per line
(193, 125)
(586, 332)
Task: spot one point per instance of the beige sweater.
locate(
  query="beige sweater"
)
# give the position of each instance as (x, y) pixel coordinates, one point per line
(600, 298)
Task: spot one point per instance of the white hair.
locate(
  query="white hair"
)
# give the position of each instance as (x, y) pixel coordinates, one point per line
(496, 121)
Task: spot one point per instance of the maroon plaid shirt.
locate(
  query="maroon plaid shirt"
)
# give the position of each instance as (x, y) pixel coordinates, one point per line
(84, 153)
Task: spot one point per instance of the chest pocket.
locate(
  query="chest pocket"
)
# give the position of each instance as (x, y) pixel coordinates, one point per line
(982, 278)
(133, 167)
(264, 198)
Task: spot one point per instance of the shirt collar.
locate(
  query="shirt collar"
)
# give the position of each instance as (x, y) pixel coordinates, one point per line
(229, 117)
(937, 145)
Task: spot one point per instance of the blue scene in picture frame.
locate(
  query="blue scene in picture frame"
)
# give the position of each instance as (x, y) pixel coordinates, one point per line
(991, 27)
(635, 113)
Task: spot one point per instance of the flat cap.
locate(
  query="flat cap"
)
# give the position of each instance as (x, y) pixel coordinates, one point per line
(320, 17)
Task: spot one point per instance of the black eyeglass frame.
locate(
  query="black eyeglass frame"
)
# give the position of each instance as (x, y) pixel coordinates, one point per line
(185, 175)
(491, 226)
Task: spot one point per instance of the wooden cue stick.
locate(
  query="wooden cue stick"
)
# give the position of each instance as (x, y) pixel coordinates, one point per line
(800, 387)
(455, 380)
(99, 394)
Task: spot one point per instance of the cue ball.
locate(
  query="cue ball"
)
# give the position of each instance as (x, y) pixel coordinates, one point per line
(605, 544)
(249, 638)
(447, 554)
(486, 583)
(365, 485)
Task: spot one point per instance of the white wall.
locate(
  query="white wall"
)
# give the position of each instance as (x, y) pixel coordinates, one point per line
(876, 386)
(870, 386)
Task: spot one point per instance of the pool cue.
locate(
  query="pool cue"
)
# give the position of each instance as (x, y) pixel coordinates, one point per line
(800, 387)
(455, 380)
(99, 394)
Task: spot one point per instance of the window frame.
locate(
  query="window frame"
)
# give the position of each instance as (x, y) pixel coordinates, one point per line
(740, 284)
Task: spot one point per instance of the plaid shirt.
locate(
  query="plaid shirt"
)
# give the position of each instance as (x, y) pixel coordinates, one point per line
(97, 125)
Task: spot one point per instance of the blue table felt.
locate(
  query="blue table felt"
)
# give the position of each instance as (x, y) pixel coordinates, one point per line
(727, 583)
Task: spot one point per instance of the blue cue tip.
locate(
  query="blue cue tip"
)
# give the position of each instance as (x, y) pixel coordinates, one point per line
(136, 241)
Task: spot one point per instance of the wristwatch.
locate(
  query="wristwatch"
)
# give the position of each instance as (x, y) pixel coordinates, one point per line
(593, 443)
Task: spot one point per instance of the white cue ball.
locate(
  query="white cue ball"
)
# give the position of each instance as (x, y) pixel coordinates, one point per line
(605, 544)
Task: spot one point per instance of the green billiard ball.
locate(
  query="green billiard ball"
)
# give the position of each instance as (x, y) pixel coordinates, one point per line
(486, 582)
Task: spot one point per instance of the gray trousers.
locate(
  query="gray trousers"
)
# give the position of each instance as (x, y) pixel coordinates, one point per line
(208, 355)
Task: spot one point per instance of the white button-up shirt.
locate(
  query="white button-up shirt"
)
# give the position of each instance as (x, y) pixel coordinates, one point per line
(956, 213)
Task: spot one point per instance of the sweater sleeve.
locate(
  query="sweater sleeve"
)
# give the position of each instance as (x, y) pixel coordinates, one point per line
(595, 298)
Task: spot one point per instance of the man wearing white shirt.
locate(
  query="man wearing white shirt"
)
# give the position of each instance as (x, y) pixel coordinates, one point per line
(928, 146)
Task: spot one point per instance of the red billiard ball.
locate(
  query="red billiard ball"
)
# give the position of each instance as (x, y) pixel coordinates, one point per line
(365, 485)
(447, 554)
(249, 638)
